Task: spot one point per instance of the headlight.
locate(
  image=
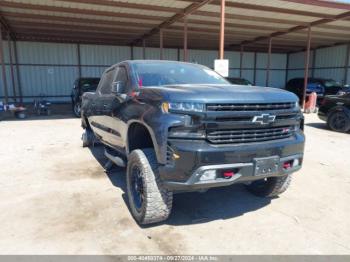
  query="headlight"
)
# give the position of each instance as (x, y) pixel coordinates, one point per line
(297, 106)
(182, 106)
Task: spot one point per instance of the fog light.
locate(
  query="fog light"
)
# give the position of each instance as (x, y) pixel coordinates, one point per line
(208, 175)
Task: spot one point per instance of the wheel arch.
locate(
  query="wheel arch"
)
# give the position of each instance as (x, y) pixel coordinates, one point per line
(139, 136)
(339, 108)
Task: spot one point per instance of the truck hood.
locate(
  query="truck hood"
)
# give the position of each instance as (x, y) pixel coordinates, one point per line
(219, 94)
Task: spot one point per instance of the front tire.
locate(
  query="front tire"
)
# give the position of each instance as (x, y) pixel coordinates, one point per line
(339, 122)
(270, 187)
(149, 201)
(88, 138)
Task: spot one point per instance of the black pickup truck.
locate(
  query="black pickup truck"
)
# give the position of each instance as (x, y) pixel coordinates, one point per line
(335, 110)
(181, 127)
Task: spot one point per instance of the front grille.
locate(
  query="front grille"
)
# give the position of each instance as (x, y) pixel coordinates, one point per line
(250, 107)
(250, 118)
(237, 136)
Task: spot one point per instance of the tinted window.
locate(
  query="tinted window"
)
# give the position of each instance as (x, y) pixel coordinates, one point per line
(122, 75)
(89, 84)
(106, 82)
(173, 73)
(331, 83)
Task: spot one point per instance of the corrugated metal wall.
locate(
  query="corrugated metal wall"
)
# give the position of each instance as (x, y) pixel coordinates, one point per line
(330, 62)
(51, 68)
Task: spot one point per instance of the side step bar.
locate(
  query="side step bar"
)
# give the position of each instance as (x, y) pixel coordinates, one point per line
(115, 159)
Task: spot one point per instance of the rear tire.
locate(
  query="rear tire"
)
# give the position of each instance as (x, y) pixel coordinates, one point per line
(270, 187)
(149, 201)
(77, 109)
(338, 121)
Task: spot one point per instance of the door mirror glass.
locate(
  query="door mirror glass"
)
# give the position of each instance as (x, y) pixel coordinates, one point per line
(118, 87)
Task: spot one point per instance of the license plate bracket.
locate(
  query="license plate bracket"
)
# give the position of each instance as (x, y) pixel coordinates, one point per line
(266, 166)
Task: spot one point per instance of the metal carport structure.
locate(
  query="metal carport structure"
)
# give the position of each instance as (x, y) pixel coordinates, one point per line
(272, 26)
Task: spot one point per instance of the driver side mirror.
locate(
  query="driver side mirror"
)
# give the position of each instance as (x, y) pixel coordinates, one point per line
(118, 87)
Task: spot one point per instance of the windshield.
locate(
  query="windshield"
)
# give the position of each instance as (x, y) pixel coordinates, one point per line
(331, 83)
(89, 84)
(174, 73)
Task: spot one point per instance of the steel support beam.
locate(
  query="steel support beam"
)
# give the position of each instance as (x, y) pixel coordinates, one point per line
(18, 76)
(254, 76)
(3, 69)
(287, 70)
(307, 62)
(161, 44)
(132, 52)
(342, 16)
(222, 29)
(185, 40)
(346, 69)
(268, 62)
(144, 49)
(11, 67)
(241, 61)
(175, 18)
(79, 60)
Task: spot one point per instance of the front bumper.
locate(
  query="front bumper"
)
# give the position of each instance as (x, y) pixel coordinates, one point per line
(196, 157)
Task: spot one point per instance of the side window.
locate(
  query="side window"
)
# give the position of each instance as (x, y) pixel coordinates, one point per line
(122, 76)
(106, 82)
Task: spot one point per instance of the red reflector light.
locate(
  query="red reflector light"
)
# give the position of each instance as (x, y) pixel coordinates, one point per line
(228, 174)
(287, 165)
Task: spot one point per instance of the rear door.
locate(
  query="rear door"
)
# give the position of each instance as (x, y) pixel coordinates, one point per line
(101, 106)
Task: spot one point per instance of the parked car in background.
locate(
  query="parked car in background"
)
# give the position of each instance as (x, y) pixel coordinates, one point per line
(239, 81)
(344, 90)
(335, 110)
(82, 85)
(182, 127)
(320, 86)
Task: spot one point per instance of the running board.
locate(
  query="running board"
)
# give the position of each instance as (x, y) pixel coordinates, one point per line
(115, 159)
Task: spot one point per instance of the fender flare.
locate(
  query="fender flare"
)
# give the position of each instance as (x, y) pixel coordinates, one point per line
(150, 131)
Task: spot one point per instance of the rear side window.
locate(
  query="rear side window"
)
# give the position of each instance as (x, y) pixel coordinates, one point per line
(106, 82)
(89, 85)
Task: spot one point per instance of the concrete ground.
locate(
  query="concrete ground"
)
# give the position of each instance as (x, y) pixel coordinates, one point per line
(56, 198)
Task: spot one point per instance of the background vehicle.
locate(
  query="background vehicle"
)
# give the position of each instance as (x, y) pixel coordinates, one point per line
(81, 85)
(42, 106)
(182, 127)
(344, 90)
(335, 110)
(320, 86)
(239, 81)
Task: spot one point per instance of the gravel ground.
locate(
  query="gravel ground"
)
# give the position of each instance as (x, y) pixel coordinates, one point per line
(56, 198)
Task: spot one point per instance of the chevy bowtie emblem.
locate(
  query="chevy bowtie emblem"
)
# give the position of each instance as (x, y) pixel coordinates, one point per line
(264, 119)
